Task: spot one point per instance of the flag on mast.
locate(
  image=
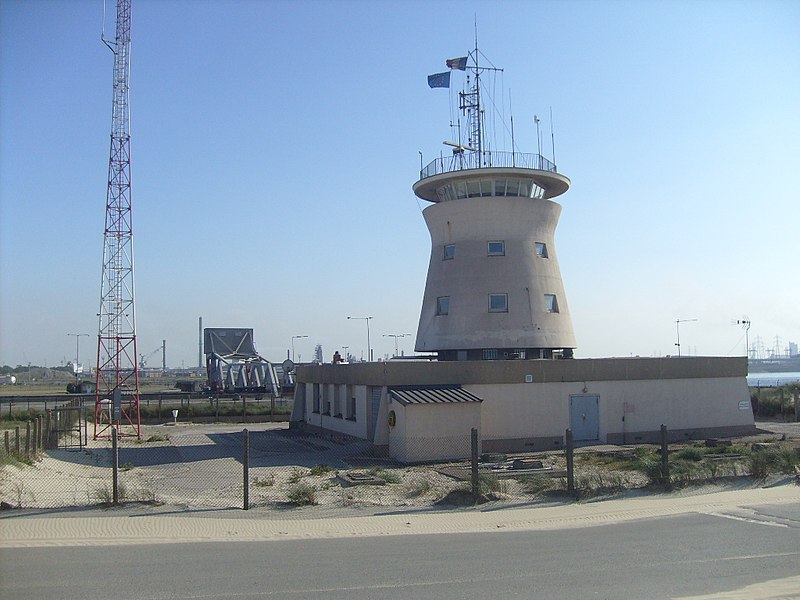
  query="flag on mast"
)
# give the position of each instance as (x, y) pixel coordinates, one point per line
(457, 63)
(439, 80)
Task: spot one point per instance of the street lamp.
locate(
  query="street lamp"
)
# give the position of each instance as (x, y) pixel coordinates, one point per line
(78, 337)
(745, 323)
(395, 336)
(369, 346)
(296, 337)
(678, 330)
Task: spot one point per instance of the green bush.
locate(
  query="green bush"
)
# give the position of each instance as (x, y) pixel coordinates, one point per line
(535, 484)
(302, 494)
(650, 467)
(296, 475)
(692, 453)
(387, 476)
(320, 469)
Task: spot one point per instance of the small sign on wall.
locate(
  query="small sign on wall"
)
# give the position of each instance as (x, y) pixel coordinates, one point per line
(744, 405)
(528, 378)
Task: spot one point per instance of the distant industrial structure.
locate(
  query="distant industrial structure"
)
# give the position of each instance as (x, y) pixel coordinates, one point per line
(497, 333)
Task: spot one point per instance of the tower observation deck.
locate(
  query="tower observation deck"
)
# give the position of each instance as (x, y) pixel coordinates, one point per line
(494, 287)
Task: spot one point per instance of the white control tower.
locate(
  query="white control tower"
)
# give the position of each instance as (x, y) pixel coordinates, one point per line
(494, 288)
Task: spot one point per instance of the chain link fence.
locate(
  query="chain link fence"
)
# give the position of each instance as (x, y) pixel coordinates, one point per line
(270, 466)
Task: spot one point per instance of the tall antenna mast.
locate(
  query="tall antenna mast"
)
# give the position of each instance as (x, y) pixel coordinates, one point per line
(117, 380)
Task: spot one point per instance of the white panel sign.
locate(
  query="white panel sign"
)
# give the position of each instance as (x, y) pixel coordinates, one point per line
(744, 405)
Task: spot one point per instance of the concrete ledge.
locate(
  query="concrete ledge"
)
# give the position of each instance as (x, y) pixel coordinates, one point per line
(681, 435)
(393, 373)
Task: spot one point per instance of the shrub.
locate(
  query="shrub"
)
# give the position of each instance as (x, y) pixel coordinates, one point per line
(265, 481)
(534, 484)
(387, 476)
(320, 469)
(296, 475)
(760, 463)
(682, 470)
(692, 453)
(650, 467)
(302, 494)
(419, 488)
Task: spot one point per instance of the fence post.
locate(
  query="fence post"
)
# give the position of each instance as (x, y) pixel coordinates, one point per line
(664, 456)
(783, 417)
(246, 467)
(114, 467)
(7, 441)
(47, 429)
(28, 439)
(35, 438)
(796, 396)
(570, 462)
(16, 440)
(474, 461)
(216, 408)
(160, 396)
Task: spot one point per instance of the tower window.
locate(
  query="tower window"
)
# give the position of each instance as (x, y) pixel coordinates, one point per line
(550, 303)
(443, 305)
(541, 250)
(496, 248)
(498, 302)
(449, 252)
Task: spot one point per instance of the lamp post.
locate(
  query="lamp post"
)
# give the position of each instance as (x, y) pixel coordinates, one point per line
(395, 336)
(745, 323)
(678, 331)
(369, 346)
(296, 337)
(78, 337)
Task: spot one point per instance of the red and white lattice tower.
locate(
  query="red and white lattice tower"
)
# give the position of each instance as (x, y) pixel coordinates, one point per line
(117, 391)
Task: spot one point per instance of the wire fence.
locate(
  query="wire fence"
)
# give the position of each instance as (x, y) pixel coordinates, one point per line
(271, 466)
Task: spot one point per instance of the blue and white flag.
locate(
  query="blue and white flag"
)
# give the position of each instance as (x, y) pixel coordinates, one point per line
(439, 80)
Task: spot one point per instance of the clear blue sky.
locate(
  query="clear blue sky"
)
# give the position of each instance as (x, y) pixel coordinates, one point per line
(275, 145)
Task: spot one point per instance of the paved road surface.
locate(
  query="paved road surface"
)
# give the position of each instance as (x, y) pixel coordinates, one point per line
(665, 557)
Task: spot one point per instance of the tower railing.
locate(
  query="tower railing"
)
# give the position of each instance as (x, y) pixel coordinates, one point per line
(461, 160)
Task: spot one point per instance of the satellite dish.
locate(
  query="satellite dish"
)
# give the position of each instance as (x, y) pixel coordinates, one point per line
(288, 365)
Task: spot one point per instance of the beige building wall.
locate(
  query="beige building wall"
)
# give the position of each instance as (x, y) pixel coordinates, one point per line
(519, 416)
(526, 404)
(427, 432)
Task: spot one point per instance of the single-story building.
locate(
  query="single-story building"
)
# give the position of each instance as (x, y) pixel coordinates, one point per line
(417, 411)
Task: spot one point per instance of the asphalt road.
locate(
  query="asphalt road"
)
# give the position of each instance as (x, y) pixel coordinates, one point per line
(658, 558)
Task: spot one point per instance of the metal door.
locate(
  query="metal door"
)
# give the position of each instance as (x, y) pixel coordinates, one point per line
(584, 417)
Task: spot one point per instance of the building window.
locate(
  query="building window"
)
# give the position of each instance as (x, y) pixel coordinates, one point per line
(326, 399)
(541, 250)
(449, 252)
(490, 354)
(350, 405)
(443, 305)
(550, 303)
(496, 248)
(461, 355)
(337, 402)
(498, 302)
